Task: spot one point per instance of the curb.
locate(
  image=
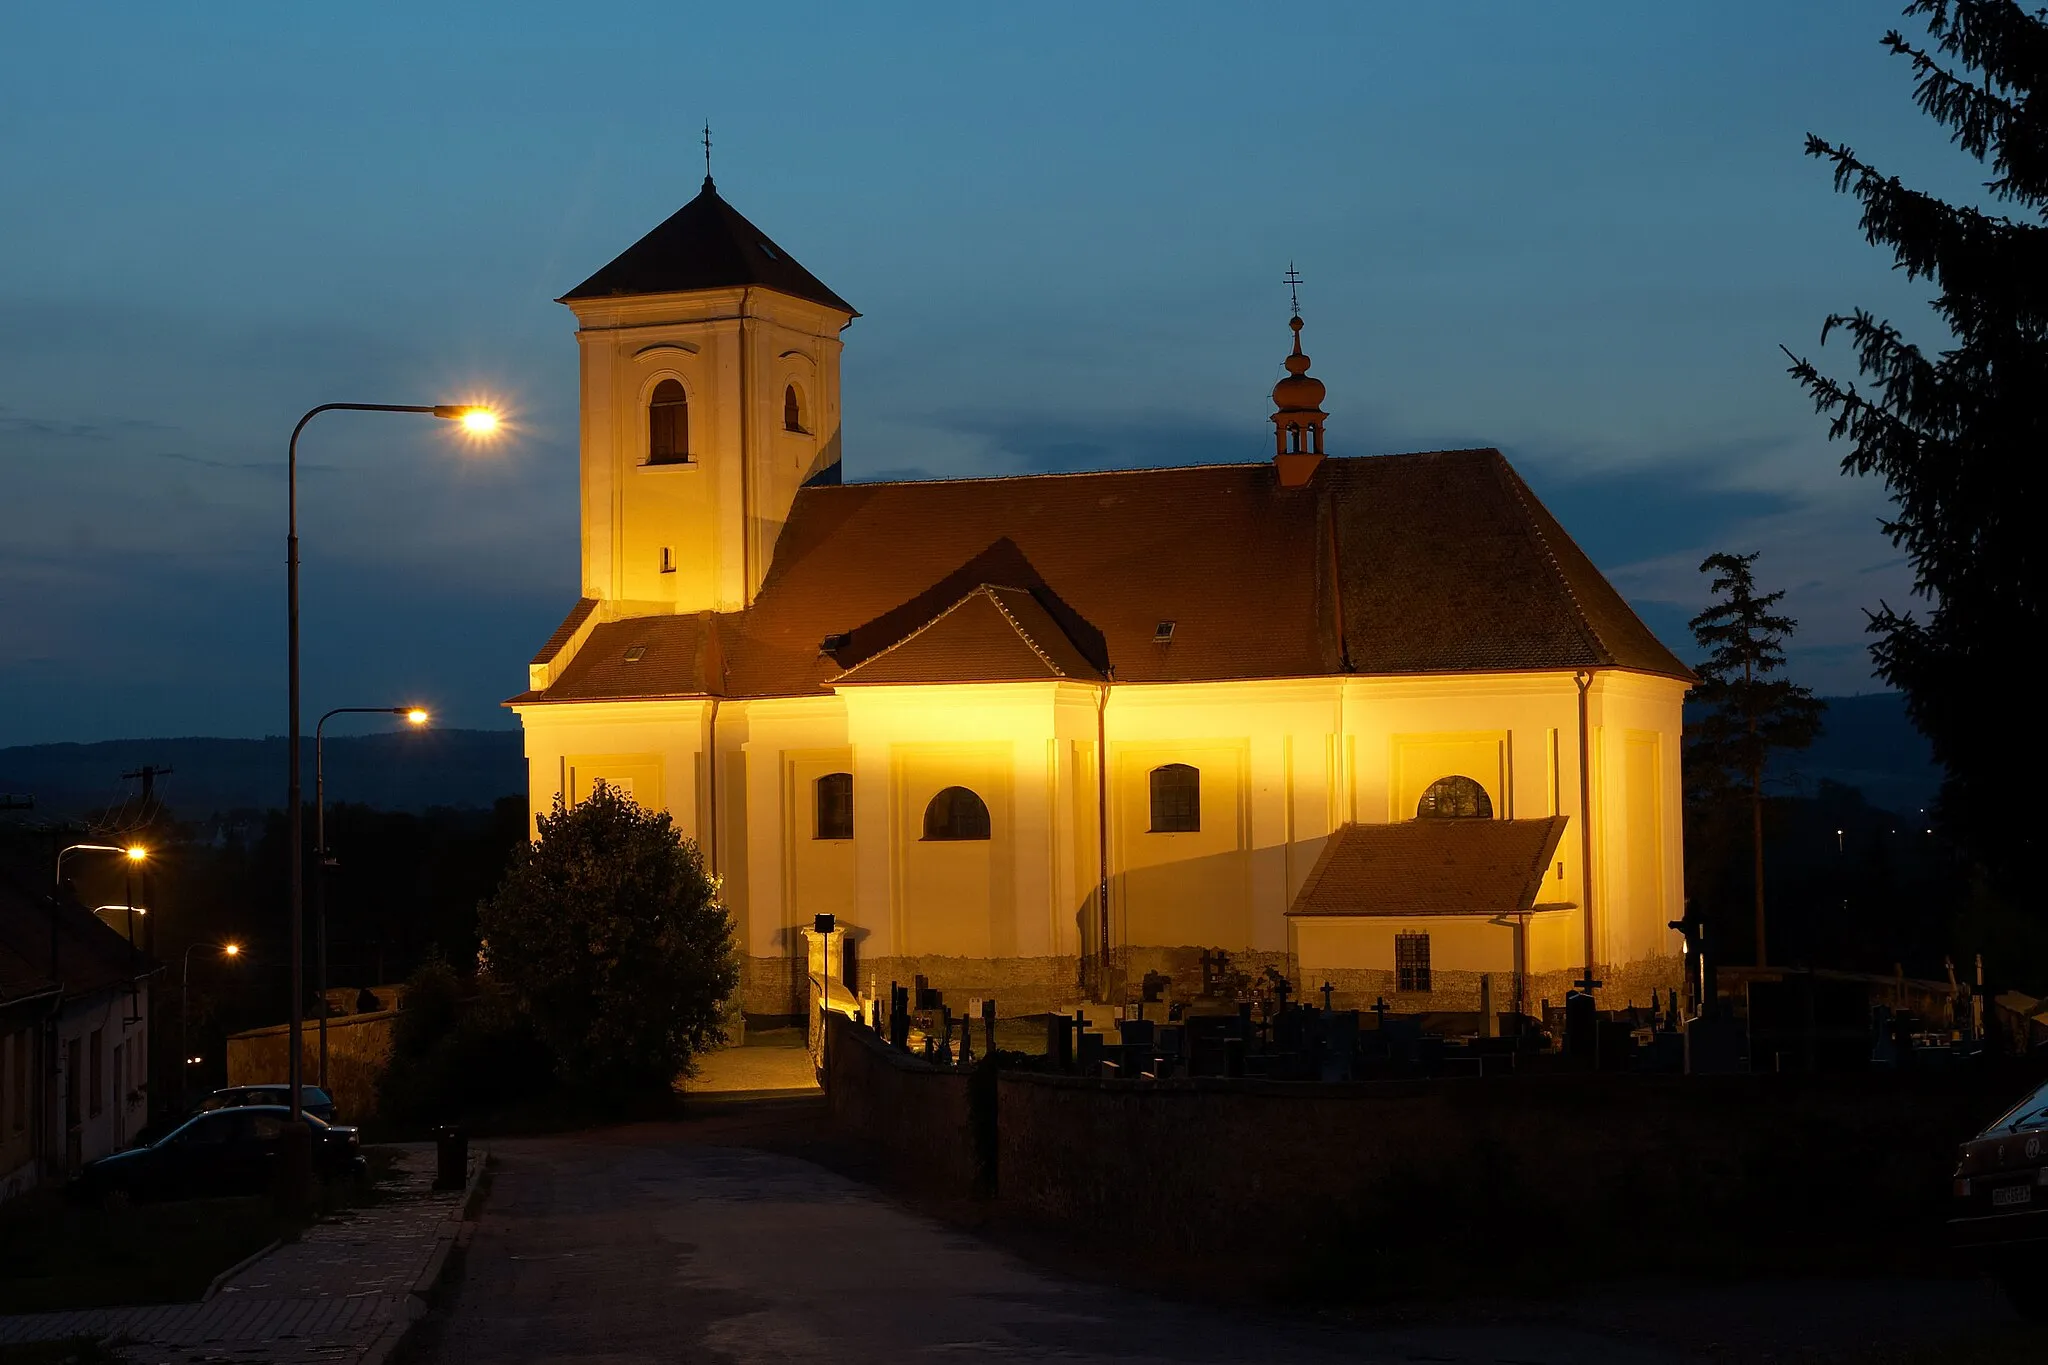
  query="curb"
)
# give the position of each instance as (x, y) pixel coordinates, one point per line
(454, 1231)
(237, 1268)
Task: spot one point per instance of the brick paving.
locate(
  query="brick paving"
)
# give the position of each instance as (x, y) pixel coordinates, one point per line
(331, 1296)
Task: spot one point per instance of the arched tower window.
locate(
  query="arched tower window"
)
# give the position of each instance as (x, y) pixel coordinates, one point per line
(1176, 799)
(956, 813)
(793, 410)
(1454, 798)
(835, 806)
(668, 424)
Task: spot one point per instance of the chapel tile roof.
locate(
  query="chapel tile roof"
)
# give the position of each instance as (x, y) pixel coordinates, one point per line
(705, 244)
(566, 632)
(993, 634)
(1431, 563)
(1431, 867)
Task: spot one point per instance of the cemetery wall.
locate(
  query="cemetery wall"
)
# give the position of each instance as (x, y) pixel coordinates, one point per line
(1704, 1169)
(916, 1118)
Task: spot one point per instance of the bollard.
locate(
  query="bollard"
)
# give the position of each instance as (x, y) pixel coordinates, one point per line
(451, 1157)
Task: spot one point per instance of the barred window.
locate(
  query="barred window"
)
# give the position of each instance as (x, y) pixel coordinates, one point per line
(1176, 799)
(835, 806)
(956, 813)
(1411, 962)
(1454, 798)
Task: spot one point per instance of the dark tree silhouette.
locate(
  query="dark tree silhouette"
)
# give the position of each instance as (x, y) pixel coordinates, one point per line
(1749, 712)
(608, 936)
(1958, 436)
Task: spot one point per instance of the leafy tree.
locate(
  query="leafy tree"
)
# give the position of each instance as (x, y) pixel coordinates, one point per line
(1957, 436)
(609, 936)
(1749, 712)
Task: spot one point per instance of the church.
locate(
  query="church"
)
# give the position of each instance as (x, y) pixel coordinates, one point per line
(1373, 721)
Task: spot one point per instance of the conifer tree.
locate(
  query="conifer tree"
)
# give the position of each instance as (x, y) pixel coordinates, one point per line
(1749, 712)
(1958, 435)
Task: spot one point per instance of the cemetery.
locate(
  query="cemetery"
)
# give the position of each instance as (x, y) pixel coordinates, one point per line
(1803, 1122)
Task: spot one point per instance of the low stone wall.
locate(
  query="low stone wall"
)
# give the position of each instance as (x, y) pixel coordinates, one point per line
(358, 1049)
(1756, 1170)
(1532, 1174)
(916, 1118)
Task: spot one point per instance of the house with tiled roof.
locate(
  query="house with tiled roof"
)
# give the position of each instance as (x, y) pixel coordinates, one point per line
(74, 1037)
(1370, 720)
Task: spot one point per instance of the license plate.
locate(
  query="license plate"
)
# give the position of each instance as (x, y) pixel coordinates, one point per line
(2012, 1194)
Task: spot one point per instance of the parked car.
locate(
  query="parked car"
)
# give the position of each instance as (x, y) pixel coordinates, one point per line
(225, 1152)
(312, 1099)
(2001, 1202)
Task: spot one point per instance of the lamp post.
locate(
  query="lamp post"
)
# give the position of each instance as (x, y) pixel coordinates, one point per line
(415, 716)
(133, 911)
(185, 1014)
(480, 421)
(135, 853)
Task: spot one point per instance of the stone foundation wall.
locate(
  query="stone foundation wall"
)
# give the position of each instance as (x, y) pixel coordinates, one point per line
(1040, 985)
(1020, 985)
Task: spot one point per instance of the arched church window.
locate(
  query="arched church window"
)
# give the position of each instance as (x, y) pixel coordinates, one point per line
(793, 409)
(954, 814)
(1176, 799)
(1454, 798)
(835, 806)
(668, 424)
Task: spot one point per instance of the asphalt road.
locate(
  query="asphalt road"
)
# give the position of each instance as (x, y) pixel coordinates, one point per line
(681, 1242)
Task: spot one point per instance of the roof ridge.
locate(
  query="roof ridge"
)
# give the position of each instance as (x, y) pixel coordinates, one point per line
(1264, 461)
(1533, 526)
(992, 589)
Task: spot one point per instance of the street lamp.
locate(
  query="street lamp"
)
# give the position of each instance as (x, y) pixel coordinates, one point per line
(477, 420)
(416, 717)
(134, 853)
(133, 911)
(228, 950)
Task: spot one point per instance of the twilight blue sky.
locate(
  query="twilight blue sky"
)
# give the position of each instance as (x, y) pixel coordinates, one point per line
(1578, 232)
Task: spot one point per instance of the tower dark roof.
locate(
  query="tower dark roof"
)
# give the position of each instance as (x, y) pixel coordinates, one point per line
(705, 244)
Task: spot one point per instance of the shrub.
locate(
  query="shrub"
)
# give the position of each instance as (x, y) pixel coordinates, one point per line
(608, 938)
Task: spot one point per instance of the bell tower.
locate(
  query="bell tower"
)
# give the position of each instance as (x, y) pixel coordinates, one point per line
(1298, 414)
(710, 394)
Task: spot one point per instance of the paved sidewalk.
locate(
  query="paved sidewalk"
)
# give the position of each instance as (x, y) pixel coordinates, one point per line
(331, 1296)
(767, 1066)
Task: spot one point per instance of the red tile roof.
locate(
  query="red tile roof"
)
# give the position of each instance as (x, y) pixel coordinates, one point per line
(565, 632)
(91, 956)
(1432, 867)
(991, 635)
(1401, 564)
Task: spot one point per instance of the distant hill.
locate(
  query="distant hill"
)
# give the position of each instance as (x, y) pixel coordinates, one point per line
(1868, 744)
(400, 770)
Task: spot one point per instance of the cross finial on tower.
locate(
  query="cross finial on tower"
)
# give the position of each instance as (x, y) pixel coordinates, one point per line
(1293, 285)
(707, 151)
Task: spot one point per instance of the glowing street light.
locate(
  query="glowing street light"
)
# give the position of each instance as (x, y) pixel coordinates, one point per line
(480, 421)
(415, 716)
(134, 853)
(230, 950)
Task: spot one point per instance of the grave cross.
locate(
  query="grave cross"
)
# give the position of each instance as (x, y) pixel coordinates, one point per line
(1328, 990)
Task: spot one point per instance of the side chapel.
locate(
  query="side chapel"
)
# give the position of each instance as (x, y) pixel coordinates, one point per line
(1374, 721)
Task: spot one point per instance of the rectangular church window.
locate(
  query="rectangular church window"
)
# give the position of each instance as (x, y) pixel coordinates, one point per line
(1411, 962)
